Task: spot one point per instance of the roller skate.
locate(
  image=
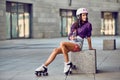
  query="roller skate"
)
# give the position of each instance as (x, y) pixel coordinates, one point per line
(42, 70)
(68, 68)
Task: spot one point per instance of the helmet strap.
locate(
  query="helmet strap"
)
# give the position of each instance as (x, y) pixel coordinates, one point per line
(78, 16)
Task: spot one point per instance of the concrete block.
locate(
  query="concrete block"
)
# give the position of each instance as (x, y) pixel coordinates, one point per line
(85, 61)
(109, 44)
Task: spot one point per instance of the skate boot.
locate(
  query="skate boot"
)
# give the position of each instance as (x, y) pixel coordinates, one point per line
(68, 68)
(42, 70)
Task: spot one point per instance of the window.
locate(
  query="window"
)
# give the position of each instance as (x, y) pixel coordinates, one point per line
(108, 23)
(67, 19)
(18, 17)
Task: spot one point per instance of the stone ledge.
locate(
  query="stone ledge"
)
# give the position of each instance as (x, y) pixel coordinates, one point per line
(109, 44)
(85, 61)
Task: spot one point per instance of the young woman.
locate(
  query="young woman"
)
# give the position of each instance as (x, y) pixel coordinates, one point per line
(80, 29)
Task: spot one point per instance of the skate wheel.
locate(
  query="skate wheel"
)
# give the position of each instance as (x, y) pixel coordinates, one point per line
(70, 72)
(74, 67)
(38, 74)
(66, 73)
(45, 74)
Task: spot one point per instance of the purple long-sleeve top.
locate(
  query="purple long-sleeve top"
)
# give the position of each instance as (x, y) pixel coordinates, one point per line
(83, 31)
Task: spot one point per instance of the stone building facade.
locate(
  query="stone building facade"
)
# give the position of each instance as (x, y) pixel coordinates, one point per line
(53, 18)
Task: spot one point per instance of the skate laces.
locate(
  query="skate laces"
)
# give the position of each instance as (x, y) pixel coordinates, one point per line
(67, 66)
(41, 68)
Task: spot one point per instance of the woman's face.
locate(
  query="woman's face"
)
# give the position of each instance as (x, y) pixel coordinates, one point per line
(84, 16)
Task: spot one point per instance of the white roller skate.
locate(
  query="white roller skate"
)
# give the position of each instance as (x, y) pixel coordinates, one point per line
(68, 68)
(42, 70)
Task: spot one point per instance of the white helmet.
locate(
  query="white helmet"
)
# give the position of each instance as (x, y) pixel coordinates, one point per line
(80, 11)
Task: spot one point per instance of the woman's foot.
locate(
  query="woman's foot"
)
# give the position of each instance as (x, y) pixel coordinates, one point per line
(68, 68)
(42, 70)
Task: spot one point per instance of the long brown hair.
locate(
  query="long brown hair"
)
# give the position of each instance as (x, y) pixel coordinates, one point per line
(79, 22)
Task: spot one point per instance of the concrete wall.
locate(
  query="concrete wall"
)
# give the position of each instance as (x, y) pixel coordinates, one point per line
(46, 19)
(2, 20)
(44, 11)
(118, 28)
(95, 7)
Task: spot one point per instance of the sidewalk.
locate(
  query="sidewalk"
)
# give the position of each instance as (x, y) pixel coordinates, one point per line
(19, 58)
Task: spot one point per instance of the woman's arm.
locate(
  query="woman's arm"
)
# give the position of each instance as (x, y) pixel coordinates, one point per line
(70, 37)
(89, 43)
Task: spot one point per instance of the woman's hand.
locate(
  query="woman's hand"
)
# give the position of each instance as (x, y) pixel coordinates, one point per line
(92, 48)
(72, 37)
(90, 44)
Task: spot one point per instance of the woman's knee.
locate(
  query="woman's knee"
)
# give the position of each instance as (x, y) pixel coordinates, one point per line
(56, 50)
(62, 44)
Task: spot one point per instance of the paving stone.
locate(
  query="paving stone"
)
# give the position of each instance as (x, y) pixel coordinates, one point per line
(20, 63)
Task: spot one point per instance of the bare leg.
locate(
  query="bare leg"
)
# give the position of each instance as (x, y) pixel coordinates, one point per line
(64, 48)
(65, 51)
(53, 55)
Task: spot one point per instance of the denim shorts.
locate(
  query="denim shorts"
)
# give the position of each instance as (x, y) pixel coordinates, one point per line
(79, 41)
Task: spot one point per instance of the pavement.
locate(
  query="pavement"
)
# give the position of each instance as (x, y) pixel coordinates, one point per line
(20, 57)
